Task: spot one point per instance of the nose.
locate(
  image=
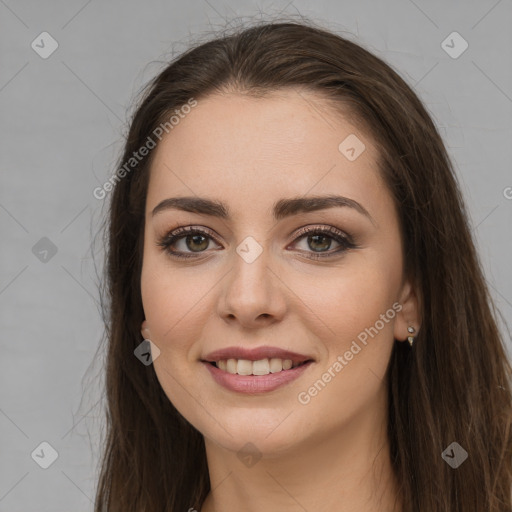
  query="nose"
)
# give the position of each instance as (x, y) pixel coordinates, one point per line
(253, 293)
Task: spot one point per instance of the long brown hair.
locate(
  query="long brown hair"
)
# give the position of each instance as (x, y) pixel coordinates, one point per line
(453, 385)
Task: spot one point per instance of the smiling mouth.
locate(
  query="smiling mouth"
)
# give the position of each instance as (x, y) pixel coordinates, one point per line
(256, 368)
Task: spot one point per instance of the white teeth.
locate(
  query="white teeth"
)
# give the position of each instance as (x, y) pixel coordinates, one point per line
(231, 365)
(276, 365)
(260, 367)
(244, 367)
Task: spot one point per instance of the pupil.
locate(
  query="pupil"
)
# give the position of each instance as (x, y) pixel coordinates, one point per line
(316, 237)
(195, 238)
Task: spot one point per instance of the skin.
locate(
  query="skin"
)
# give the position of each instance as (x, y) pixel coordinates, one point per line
(331, 453)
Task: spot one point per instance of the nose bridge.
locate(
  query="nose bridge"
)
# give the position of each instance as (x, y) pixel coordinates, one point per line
(252, 289)
(250, 268)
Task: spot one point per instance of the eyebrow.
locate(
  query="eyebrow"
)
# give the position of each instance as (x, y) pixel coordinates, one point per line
(281, 209)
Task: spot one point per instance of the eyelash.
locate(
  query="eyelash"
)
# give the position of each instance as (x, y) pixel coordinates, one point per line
(346, 242)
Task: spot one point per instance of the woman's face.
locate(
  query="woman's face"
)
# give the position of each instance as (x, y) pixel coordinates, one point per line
(252, 279)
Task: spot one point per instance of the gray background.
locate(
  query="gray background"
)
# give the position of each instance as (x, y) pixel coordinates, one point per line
(61, 126)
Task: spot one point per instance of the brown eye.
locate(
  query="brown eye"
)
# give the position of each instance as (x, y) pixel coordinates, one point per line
(193, 240)
(319, 240)
(198, 241)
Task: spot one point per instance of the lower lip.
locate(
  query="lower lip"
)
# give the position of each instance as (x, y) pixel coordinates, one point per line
(255, 383)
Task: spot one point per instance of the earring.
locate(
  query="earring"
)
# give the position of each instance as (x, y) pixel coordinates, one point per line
(410, 338)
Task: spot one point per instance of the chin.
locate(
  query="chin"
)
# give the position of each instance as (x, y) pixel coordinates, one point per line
(250, 432)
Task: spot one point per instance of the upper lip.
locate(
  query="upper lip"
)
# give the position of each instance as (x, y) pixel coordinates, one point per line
(255, 354)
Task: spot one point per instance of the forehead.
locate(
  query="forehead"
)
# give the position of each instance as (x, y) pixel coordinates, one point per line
(249, 150)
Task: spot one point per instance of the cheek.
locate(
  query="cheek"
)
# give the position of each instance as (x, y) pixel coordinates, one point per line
(166, 298)
(359, 291)
(357, 307)
(161, 290)
(174, 301)
(172, 319)
(355, 303)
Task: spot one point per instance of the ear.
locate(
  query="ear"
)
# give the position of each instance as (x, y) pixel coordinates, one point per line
(410, 314)
(146, 334)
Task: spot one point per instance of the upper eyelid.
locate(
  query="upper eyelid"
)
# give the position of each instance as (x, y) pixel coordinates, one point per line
(184, 230)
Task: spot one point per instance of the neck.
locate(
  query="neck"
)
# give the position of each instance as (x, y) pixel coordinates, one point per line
(346, 470)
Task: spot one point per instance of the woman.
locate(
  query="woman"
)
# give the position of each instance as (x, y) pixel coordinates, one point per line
(298, 317)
